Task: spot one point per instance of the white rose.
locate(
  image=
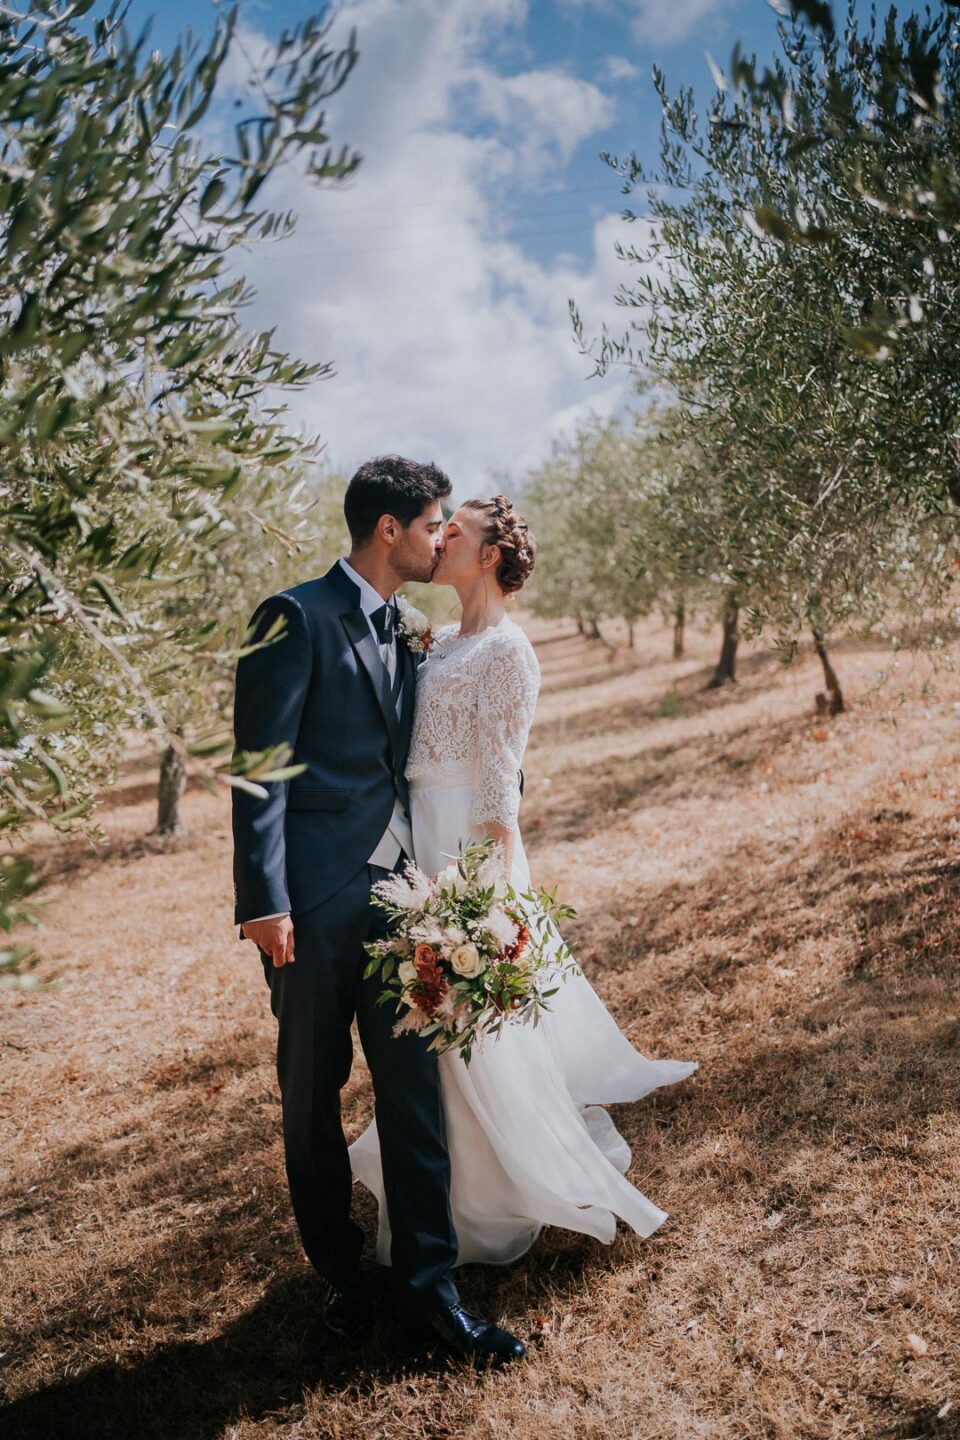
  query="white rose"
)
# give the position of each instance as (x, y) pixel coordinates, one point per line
(406, 972)
(467, 961)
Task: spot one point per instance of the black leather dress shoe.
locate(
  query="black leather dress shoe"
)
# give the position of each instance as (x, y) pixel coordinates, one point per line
(474, 1339)
(347, 1310)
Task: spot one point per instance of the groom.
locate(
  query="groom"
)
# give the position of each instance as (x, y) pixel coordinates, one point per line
(338, 687)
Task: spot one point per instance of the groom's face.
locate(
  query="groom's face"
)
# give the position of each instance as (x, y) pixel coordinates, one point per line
(416, 552)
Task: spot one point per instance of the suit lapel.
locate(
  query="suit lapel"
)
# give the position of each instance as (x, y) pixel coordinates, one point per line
(356, 625)
(409, 662)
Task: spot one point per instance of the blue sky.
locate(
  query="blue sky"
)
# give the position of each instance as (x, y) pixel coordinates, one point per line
(437, 279)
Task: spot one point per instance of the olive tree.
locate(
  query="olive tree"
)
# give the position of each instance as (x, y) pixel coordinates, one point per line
(289, 526)
(813, 523)
(583, 506)
(138, 416)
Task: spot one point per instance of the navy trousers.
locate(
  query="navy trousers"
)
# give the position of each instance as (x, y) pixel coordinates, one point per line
(314, 1001)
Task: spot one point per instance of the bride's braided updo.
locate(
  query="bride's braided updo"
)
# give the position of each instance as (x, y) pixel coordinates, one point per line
(507, 528)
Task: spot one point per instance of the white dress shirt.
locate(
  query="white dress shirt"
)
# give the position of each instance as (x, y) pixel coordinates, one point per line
(398, 835)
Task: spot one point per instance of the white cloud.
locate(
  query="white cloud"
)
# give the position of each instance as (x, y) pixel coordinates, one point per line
(617, 69)
(547, 111)
(667, 22)
(450, 342)
(670, 21)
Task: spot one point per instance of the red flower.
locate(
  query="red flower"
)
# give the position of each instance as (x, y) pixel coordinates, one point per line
(431, 984)
(520, 944)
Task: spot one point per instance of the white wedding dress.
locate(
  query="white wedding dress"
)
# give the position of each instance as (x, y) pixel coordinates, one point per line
(530, 1144)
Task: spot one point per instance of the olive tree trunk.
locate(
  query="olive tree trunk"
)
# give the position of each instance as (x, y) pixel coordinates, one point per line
(173, 782)
(726, 671)
(831, 702)
(596, 633)
(679, 620)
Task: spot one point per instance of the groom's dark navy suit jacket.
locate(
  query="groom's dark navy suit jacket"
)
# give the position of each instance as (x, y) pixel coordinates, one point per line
(321, 688)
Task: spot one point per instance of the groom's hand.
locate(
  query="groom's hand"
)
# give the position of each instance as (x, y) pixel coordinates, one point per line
(274, 937)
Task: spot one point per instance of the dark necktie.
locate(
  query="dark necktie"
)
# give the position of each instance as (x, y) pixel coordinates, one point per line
(383, 624)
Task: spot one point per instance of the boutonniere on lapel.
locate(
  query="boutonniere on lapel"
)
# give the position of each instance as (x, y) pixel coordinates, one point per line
(414, 627)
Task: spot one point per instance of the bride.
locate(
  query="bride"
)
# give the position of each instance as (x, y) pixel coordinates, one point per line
(529, 1140)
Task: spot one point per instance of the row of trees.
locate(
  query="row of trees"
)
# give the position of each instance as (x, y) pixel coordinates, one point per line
(794, 295)
(601, 508)
(146, 467)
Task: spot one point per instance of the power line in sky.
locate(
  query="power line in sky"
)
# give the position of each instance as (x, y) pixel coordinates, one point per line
(275, 253)
(339, 188)
(523, 215)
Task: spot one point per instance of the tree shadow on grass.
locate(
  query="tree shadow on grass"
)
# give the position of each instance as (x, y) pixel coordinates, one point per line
(78, 856)
(880, 1025)
(215, 1236)
(708, 764)
(678, 702)
(926, 1423)
(687, 693)
(122, 797)
(71, 857)
(559, 637)
(693, 685)
(265, 1362)
(591, 669)
(260, 1364)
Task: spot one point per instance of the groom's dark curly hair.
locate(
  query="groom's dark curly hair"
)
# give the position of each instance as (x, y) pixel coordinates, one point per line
(391, 485)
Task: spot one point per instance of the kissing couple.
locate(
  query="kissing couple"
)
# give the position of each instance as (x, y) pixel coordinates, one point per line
(412, 755)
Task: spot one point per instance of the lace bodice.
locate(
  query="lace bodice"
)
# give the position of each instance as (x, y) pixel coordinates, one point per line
(476, 695)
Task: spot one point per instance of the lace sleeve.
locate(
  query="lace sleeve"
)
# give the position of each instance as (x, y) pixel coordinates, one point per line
(508, 684)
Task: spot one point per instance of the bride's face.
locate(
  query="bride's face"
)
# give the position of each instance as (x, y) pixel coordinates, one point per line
(462, 549)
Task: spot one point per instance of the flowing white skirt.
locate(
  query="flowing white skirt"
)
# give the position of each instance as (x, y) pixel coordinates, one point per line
(530, 1143)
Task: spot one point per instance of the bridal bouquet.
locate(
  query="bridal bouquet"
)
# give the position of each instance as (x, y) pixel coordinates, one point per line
(466, 953)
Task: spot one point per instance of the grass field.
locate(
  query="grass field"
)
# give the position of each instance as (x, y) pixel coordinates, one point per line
(771, 894)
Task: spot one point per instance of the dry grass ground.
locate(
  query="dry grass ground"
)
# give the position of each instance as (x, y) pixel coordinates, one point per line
(775, 896)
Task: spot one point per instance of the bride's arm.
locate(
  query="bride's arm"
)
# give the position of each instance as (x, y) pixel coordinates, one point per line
(508, 683)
